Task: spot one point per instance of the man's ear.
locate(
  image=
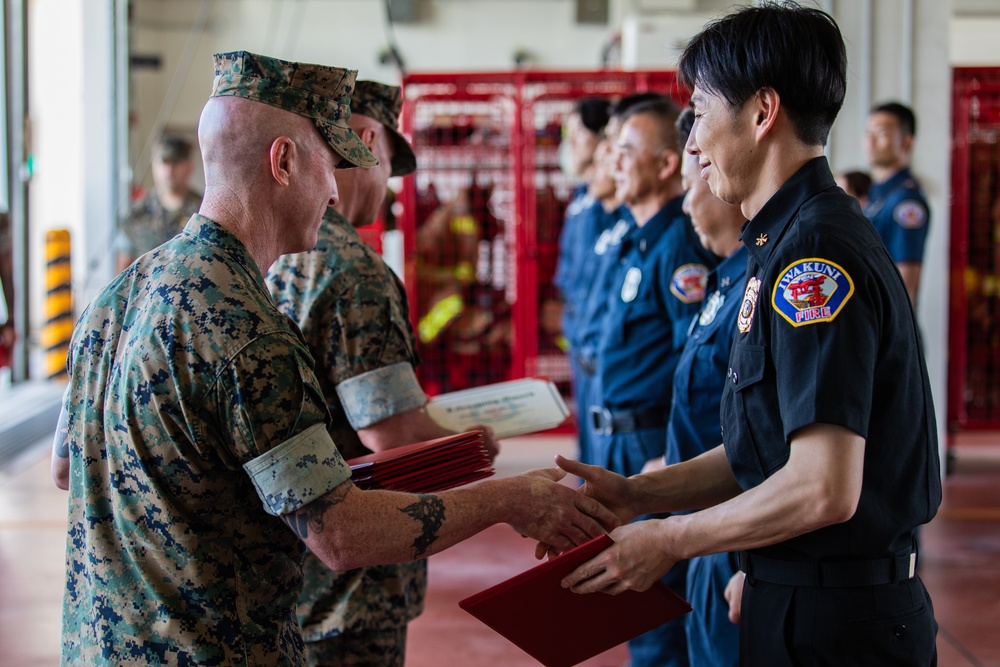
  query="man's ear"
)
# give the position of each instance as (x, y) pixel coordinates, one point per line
(282, 155)
(670, 163)
(368, 136)
(766, 105)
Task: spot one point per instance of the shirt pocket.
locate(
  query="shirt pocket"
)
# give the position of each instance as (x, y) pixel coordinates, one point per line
(744, 412)
(631, 320)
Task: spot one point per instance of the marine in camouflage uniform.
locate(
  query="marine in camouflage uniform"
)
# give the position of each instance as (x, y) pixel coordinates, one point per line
(353, 312)
(150, 223)
(192, 400)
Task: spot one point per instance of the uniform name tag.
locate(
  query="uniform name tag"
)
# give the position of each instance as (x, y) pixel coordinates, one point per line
(811, 290)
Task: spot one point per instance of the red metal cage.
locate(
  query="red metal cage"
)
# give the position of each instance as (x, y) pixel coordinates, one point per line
(974, 333)
(482, 215)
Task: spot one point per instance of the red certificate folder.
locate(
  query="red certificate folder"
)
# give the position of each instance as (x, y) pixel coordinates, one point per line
(560, 628)
(425, 467)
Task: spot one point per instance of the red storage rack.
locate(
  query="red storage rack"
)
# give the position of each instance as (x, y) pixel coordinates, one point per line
(974, 331)
(482, 215)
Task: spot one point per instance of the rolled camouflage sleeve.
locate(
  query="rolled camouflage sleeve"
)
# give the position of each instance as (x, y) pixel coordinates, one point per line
(298, 471)
(379, 394)
(278, 422)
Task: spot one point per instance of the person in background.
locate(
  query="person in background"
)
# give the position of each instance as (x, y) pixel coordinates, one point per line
(897, 205)
(353, 313)
(855, 183)
(586, 217)
(165, 209)
(714, 582)
(819, 483)
(194, 437)
(658, 283)
(598, 266)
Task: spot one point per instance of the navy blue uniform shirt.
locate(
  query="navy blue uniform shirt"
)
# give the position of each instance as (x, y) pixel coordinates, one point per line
(826, 335)
(898, 209)
(585, 220)
(658, 287)
(600, 273)
(701, 371)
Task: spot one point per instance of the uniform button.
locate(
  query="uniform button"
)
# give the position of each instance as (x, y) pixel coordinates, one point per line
(736, 377)
(899, 631)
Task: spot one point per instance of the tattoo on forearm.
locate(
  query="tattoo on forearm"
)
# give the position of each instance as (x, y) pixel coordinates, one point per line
(429, 512)
(309, 519)
(61, 446)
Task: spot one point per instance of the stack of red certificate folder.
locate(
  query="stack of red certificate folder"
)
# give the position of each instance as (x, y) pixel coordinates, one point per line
(425, 467)
(560, 628)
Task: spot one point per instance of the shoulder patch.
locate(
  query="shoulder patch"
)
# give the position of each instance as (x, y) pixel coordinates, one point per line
(688, 283)
(909, 214)
(811, 290)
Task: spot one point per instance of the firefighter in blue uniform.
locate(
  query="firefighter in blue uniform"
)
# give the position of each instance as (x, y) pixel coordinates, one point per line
(896, 205)
(713, 636)
(657, 287)
(598, 269)
(585, 219)
(829, 459)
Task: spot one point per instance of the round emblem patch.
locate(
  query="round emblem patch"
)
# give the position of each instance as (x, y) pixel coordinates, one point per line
(909, 214)
(811, 290)
(631, 285)
(749, 305)
(688, 283)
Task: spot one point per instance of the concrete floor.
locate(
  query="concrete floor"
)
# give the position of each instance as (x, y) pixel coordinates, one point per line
(961, 567)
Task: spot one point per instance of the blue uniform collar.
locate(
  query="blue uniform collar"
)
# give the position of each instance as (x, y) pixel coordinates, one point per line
(728, 273)
(891, 183)
(652, 230)
(762, 233)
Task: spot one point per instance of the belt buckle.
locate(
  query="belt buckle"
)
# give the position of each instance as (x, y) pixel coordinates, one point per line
(600, 419)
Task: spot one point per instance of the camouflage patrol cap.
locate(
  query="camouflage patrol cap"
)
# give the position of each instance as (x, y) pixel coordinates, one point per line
(314, 91)
(383, 103)
(172, 148)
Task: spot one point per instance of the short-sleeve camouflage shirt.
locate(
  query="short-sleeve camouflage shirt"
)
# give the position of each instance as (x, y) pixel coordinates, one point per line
(149, 224)
(353, 313)
(194, 417)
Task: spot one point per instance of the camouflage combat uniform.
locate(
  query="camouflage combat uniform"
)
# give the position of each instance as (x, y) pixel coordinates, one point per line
(353, 313)
(149, 224)
(191, 401)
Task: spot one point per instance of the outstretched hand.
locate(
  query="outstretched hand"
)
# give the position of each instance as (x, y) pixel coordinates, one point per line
(610, 489)
(558, 515)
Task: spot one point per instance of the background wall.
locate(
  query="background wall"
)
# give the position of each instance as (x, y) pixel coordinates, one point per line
(897, 49)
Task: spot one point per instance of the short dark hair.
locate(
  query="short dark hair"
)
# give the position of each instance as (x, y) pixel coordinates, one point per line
(797, 51)
(621, 107)
(665, 111)
(594, 112)
(858, 183)
(903, 113)
(683, 126)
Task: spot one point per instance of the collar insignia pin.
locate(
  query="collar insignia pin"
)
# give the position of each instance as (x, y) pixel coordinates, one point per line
(761, 240)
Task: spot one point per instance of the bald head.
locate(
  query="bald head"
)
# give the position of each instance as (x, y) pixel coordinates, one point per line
(236, 135)
(269, 175)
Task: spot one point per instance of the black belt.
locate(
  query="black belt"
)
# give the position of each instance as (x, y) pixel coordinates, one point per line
(829, 574)
(606, 422)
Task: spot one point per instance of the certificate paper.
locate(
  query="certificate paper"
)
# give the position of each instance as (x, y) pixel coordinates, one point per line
(510, 408)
